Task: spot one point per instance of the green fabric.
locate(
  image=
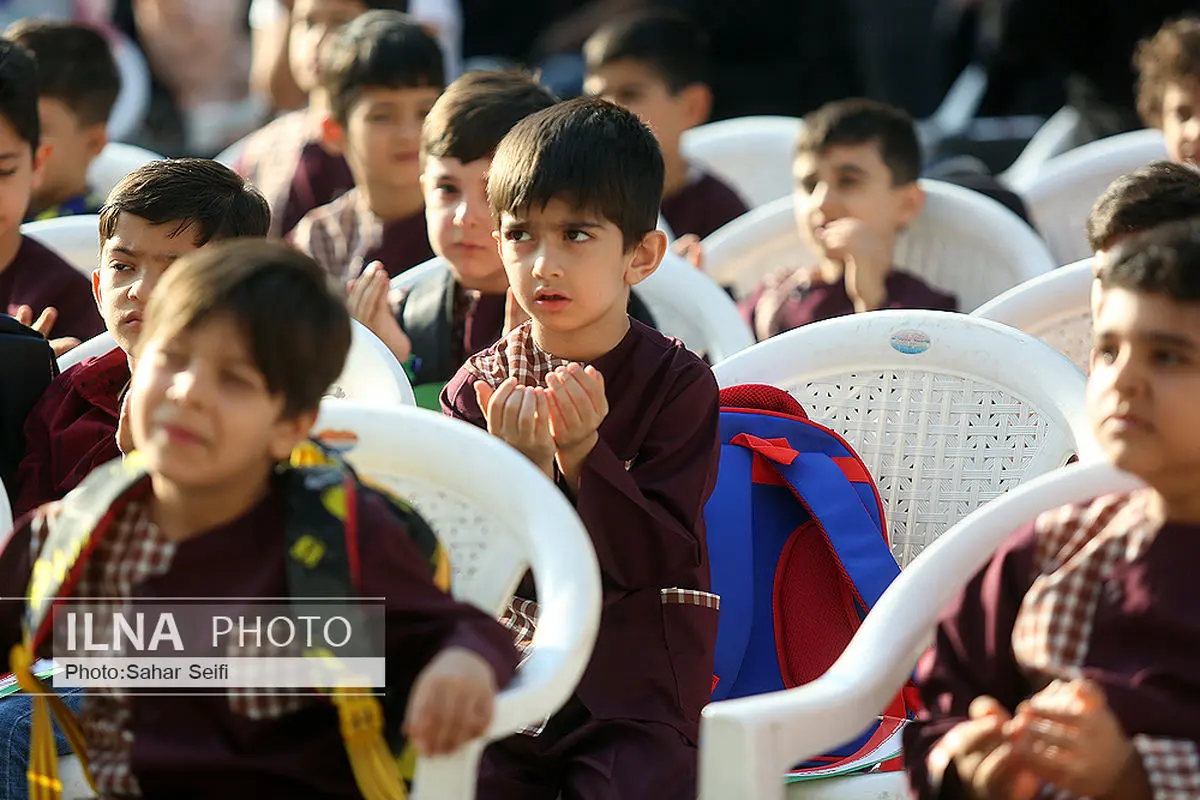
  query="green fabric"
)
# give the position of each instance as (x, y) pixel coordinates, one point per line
(429, 395)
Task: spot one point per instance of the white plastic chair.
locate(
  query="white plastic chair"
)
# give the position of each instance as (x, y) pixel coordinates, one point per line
(115, 161)
(6, 517)
(75, 238)
(947, 411)
(231, 154)
(372, 374)
(498, 515)
(747, 744)
(1054, 138)
(1055, 307)
(1060, 195)
(133, 100)
(684, 302)
(751, 154)
(963, 242)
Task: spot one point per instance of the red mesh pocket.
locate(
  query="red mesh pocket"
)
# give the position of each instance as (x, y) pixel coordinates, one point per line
(761, 396)
(815, 615)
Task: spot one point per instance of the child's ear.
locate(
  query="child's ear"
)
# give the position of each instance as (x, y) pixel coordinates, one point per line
(647, 255)
(39, 164)
(912, 203)
(96, 138)
(697, 103)
(291, 431)
(333, 136)
(96, 293)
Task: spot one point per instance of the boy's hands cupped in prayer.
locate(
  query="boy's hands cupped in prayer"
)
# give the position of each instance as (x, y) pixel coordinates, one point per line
(983, 756)
(866, 258)
(368, 303)
(577, 407)
(520, 415)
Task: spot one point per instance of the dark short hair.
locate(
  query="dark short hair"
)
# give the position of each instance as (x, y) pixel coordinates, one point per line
(1161, 191)
(476, 111)
(1163, 260)
(587, 152)
(667, 42)
(291, 312)
(19, 92)
(858, 121)
(1170, 56)
(195, 192)
(380, 48)
(75, 65)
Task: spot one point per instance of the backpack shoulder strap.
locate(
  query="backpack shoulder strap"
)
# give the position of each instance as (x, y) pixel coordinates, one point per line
(427, 316)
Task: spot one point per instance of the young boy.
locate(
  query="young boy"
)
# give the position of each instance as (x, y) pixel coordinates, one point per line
(1161, 191)
(78, 84)
(156, 214)
(856, 169)
(240, 344)
(1168, 86)
(32, 275)
(1067, 666)
(625, 421)
(382, 74)
(656, 64)
(451, 316)
(285, 159)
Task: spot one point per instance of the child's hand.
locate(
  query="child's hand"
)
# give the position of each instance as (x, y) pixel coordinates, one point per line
(43, 324)
(866, 259)
(982, 755)
(578, 405)
(519, 415)
(1068, 736)
(689, 247)
(368, 303)
(451, 703)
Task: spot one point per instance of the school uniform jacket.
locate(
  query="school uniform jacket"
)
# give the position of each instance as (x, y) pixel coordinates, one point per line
(1094, 591)
(641, 496)
(72, 429)
(38, 277)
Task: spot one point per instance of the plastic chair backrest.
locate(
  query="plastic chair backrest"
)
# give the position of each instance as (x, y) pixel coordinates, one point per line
(963, 242)
(1060, 195)
(76, 239)
(751, 154)
(1055, 307)
(115, 161)
(947, 411)
(498, 516)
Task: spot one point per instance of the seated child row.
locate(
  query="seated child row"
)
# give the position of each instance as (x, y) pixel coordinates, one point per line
(226, 377)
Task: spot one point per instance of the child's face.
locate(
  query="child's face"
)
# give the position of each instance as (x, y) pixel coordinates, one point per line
(72, 148)
(1181, 121)
(850, 180)
(459, 221)
(383, 136)
(312, 23)
(637, 87)
(20, 176)
(1144, 383)
(568, 268)
(201, 411)
(131, 263)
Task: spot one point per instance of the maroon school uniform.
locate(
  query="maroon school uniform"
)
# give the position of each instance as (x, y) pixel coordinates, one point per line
(37, 277)
(632, 727)
(242, 745)
(72, 429)
(701, 206)
(792, 298)
(293, 171)
(1095, 591)
(344, 236)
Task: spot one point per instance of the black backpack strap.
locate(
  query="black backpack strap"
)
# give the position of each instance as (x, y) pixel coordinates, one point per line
(427, 317)
(27, 366)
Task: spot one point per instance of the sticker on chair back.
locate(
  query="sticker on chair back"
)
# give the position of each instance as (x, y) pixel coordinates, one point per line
(338, 441)
(910, 342)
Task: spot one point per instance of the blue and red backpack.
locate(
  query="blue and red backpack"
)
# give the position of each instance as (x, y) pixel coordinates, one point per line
(799, 553)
